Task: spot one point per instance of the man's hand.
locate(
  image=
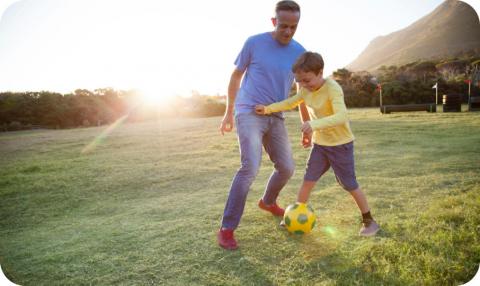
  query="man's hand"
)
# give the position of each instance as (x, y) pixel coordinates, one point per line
(260, 109)
(227, 123)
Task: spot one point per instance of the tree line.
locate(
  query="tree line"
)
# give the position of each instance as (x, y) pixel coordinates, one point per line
(84, 108)
(410, 83)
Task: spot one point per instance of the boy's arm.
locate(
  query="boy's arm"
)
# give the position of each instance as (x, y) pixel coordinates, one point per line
(283, 105)
(304, 117)
(339, 115)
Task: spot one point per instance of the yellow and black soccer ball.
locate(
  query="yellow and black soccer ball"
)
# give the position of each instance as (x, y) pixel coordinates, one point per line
(299, 218)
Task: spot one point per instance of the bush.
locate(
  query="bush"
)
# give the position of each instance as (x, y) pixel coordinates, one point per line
(14, 126)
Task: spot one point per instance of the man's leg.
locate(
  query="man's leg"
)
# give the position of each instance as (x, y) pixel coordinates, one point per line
(250, 129)
(279, 150)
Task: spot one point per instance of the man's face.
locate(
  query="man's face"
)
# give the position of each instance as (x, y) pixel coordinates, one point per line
(285, 24)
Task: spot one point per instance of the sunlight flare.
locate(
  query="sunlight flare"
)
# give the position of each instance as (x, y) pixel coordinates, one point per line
(150, 98)
(153, 98)
(100, 138)
(330, 230)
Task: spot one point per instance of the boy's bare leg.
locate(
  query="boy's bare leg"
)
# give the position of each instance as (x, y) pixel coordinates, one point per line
(304, 191)
(303, 194)
(361, 200)
(369, 225)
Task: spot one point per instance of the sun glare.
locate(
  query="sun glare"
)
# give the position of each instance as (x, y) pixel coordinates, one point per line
(152, 97)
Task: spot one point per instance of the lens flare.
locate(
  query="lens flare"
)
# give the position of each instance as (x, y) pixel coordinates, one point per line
(330, 230)
(100, 138)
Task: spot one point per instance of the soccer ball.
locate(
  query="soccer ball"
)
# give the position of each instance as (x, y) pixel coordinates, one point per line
(299, 218)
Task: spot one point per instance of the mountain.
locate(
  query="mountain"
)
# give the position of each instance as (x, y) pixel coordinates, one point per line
(451, 29)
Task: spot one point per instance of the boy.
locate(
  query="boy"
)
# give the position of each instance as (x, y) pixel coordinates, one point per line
(332, 136)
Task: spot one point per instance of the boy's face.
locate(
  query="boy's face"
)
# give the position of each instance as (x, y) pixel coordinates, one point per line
(309, 80)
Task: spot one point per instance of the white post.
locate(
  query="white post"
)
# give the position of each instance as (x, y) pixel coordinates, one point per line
(469, 82)
(436, 93)
(380, 97)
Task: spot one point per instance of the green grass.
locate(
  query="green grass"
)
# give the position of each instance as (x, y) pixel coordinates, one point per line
(143, 207)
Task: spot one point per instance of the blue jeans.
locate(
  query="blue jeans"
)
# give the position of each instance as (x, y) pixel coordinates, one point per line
(254, 131)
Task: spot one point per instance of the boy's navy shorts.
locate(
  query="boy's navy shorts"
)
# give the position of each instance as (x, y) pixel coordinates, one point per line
(340, 158)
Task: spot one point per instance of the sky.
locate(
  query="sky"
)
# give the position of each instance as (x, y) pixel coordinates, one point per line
(167, 48)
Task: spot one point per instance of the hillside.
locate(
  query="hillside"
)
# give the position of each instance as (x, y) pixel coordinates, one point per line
(452, 29)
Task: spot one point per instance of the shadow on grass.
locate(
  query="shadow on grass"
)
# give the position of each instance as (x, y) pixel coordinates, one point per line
(323, 258)
(238, 268)
(343, 271)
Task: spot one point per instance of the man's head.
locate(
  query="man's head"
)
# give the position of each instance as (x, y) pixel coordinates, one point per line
(287, 15)
(308, 70)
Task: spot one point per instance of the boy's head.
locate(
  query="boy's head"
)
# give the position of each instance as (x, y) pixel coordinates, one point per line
(308, 70)
(287, 16)
(309, 62)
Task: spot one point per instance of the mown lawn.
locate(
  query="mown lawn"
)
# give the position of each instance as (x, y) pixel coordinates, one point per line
(142, 206)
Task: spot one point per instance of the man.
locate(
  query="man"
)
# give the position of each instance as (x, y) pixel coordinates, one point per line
(266, 60)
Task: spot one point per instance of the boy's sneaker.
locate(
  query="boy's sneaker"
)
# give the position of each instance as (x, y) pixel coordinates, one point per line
(369, 228)
(226, 239)
(274, 208)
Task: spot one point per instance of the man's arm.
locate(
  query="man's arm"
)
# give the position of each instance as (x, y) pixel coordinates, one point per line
(233, 86)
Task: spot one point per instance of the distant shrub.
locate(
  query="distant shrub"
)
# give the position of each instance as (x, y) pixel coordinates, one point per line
(14, 126)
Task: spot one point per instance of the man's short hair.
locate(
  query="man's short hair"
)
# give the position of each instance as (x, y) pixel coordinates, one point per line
(287, 5)
(308, 62)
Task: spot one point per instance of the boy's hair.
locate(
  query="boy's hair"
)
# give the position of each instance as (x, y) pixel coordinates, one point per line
(308, 62)
(287, 5)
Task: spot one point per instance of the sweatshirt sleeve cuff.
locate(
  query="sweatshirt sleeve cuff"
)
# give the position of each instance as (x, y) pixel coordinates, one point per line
(268, 110)
(317, 124)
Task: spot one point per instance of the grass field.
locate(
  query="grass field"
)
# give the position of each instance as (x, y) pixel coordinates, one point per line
(142, 206)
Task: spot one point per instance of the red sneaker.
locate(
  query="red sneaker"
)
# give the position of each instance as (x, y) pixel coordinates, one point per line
(226, 239)
(274, 208)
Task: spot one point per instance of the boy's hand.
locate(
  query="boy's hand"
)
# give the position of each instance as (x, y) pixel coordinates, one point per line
(260, 109)
(306, 140)
(306, 128)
